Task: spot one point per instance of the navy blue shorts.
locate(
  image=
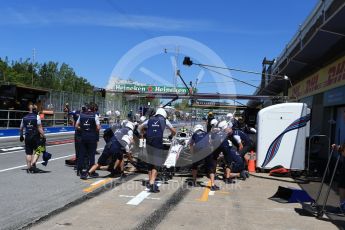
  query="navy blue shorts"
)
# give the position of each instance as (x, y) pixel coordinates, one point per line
(31, 145)
(104, 159)
(233, 160)
(87, 154)
(108, 157)
(155, 157)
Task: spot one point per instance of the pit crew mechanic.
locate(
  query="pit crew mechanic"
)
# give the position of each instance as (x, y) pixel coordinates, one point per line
(155, 127)
(32, 125)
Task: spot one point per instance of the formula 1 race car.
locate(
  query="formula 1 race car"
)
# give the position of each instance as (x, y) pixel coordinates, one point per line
(177, 155)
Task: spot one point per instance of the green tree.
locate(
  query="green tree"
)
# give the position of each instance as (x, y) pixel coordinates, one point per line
(48, 75)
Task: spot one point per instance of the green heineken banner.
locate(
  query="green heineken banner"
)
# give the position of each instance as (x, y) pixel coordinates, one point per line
(149, 88)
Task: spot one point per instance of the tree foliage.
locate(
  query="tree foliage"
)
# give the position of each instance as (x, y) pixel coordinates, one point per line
(50, 75)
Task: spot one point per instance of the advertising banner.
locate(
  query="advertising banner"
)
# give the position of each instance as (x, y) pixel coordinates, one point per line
(149, 88)
(330, 77)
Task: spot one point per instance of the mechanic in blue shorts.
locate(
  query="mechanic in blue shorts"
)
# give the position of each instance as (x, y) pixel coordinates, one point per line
(201, 150)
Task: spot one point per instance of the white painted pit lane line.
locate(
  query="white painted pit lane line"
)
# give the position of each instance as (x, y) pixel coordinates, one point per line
(22, 166)
(141, 196)
(50, 146)
(149, 198)
(13, 148)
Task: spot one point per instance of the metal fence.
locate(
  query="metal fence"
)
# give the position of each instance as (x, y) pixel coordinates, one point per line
(12, 119)
(56, 100)
(126, 103)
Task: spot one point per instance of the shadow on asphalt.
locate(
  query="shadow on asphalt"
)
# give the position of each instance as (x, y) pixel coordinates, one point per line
(337, 219)
(39, 171)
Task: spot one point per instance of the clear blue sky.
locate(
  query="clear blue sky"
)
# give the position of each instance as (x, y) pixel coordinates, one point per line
(93, 35)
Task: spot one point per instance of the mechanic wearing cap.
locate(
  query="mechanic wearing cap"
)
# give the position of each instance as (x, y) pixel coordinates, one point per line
(77, 135)
(112, 154)
(210, 117)
(32, 125)
(130, 116)
(230, 118)
(235, 161)
(200, 147)
(137, 136)
(128, 119)
(219, 141)
(212, 159)
(222, 141)
(155, 127)
(247, 143)
(125, 137)
(94, 108)
(66, 113)
(89, 125)
(117, 124)
(214, 122)
(136, 132)
(245, 146)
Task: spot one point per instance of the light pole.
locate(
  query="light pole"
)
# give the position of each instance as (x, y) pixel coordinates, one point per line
(32, 67)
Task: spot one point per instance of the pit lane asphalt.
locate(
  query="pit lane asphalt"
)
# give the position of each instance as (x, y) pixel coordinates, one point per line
(243, 205)
(177, 206)
(27, 197)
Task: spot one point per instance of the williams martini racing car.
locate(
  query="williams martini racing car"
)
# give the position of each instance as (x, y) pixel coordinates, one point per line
(177, 155)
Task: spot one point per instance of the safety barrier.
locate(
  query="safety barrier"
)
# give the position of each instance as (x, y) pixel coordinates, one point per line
(10, 119)
(47, 130)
